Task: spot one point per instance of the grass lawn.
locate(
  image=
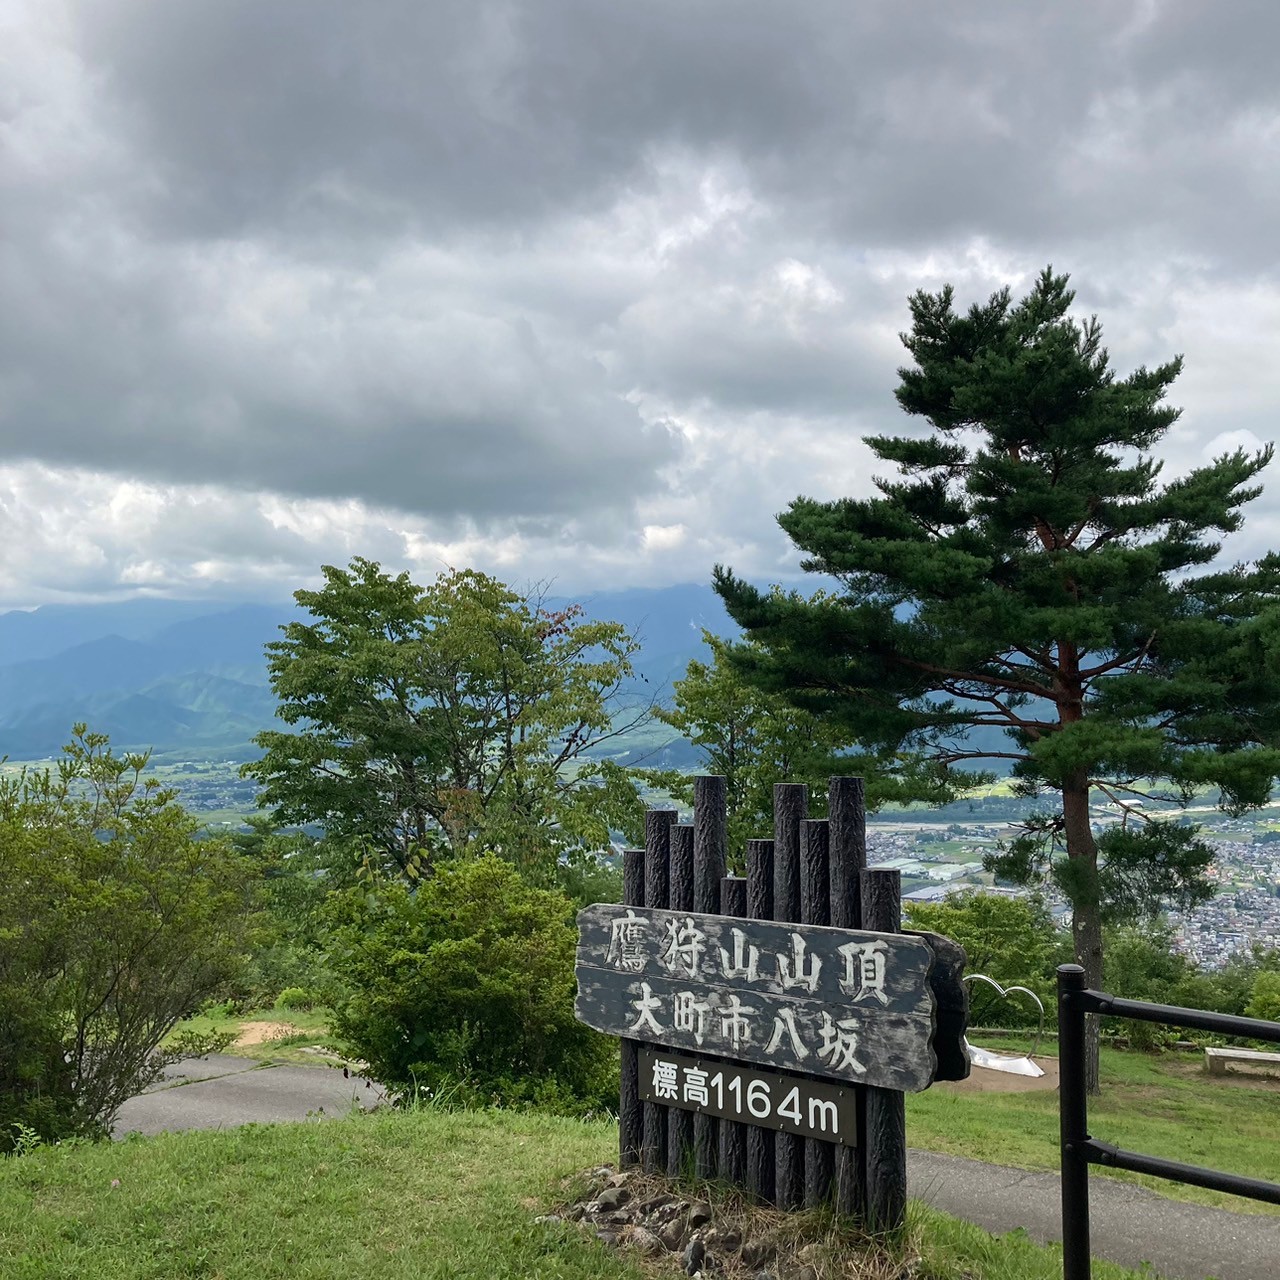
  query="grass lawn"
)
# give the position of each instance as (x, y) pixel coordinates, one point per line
(431, 1195)
(1164, 1105)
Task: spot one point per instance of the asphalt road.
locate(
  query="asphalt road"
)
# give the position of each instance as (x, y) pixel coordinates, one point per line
(221, 1091)
(1129, 1224)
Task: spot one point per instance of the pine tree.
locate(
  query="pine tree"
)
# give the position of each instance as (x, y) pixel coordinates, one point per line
(1025, 589)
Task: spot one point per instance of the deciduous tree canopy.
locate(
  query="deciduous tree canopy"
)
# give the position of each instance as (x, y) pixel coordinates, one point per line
(457, 715)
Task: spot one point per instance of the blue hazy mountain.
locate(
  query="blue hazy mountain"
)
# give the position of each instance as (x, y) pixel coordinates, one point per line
(188, 678)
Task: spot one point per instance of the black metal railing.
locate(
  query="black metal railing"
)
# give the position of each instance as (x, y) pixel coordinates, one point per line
(1079, 1150)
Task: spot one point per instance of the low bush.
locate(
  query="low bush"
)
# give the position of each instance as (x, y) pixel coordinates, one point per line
(1264, 1000)
(465, 985)
(116, 921)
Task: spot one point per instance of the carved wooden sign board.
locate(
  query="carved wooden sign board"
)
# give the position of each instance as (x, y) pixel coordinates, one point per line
(839, 1004)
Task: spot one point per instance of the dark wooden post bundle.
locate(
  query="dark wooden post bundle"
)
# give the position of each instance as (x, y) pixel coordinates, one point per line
(847, 857)
(630, 1108)
(790, 807)
(657, 858)
(813, 872)
(680, 891)
(760, 1154)
(885, 1141)
(815, 904)
(710, 862)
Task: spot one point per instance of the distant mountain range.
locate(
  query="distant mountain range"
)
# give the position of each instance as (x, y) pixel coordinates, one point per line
(188, 678)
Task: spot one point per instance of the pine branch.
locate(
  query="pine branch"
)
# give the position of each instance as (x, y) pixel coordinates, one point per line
(987, 681)
(951, 757)
(1135, 660)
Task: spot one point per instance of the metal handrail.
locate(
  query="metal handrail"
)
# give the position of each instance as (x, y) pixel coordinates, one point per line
(1079, 1149)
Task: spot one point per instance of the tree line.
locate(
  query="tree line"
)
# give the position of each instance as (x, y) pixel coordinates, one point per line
(1023, 587)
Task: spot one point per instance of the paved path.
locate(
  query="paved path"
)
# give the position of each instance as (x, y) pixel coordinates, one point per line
(1129, 1224)
(221, 1091)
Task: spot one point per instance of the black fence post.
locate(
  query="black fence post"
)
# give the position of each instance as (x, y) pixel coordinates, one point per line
(1073, 1118)
(630, 1108)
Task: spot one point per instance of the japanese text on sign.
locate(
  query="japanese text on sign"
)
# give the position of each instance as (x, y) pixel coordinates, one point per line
(794, 1105)
(837, 1003)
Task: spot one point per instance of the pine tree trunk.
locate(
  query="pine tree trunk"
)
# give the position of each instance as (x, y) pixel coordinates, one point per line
(1086, 917)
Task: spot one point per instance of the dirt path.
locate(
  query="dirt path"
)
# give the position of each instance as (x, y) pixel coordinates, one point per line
(265, 1032)
(984, 1081)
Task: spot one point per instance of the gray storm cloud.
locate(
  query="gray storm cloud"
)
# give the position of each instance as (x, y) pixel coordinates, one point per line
(532, 273)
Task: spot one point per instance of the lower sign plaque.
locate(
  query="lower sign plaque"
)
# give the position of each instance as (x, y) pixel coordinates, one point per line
(791, 1104)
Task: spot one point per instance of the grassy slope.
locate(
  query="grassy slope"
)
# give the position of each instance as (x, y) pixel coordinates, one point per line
(1162, 1105)
(429, 1195)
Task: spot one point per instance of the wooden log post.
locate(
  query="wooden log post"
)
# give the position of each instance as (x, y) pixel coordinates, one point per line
(790, 807)
(733, 1134)
(815, 908)
(885, 1140)
(847, 858)
(760, 1154)
(680, 890)
(657, 854)
(710, 862)
(630, 1108)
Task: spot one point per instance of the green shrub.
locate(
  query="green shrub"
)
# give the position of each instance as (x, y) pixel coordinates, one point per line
(466, 984)
(295, 998)
(116, 921)
(1264, 1001)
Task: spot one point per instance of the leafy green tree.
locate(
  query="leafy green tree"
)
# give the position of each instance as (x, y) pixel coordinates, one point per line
(116, 921)
(1140, 963)
(755, 738)
(1027, 590)
(457, 716)
(299, 871)
(465, 984)
(1227, 989)
(1264, 1000)
(1011, 940)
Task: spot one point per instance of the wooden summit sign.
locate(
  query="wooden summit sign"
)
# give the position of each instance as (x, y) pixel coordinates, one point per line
(840, 1004)
(770, 1024)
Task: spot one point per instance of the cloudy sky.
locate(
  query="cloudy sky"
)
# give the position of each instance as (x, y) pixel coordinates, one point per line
(576, 289)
